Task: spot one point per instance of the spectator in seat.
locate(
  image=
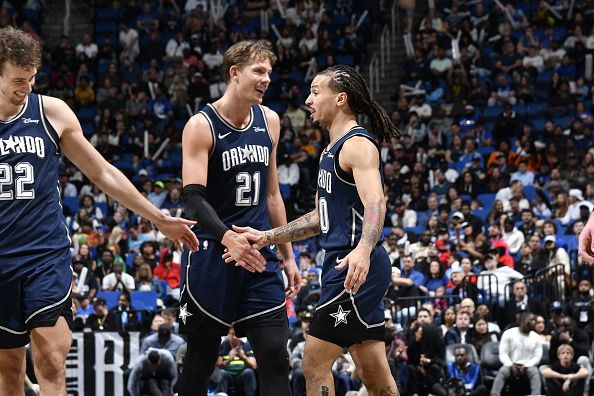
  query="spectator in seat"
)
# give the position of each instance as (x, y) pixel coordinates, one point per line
(97, 321)
(153, 373)
(146, 281)
(581, 307)
(570, 334)
(459, 334)
(123, 316)
(118, 280)
(237, 360)
(170, 272)
(520, 303)
(426, 354)
(564, 376)
(466, 373)
(163, 339)
(520, 351)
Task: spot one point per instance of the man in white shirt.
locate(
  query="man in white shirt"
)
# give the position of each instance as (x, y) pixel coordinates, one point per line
(118, 280)
(129, 42)
(88, 47)
(288, 173)
(511, 235)
(520, 352)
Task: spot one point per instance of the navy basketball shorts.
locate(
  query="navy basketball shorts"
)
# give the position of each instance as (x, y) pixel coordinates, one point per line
(344, 319)
(216, 295)
(35, 296)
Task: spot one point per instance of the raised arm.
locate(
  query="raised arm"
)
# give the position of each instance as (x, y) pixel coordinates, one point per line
(78, 150)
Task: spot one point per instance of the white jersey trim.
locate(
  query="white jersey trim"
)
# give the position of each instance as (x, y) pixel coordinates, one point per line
(51, 305)
(42, 113)
(220, 117)
(19, 114)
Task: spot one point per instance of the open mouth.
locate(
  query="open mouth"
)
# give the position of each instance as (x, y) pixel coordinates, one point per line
(260, 91)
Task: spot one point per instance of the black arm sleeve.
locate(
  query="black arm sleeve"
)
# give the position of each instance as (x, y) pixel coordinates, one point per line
(197, 208)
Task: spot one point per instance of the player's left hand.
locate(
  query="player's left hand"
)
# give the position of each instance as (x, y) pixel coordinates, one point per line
(293, 278)
(358, 262)
(178, 231)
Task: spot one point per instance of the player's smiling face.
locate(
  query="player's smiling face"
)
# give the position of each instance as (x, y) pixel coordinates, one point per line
(16, 83)
(254, 79)
(321, 101)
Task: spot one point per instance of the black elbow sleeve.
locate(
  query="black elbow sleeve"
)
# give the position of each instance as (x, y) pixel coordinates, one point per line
(197, 208)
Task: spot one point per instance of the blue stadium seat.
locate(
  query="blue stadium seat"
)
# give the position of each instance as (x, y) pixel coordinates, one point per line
(544, 78)
(530, 192)
(482, 213)
(278, 106)
(165, 286)
(110, 297)
(72, 203)
(106, 28)
(86, 113)
(536, 109)
(104, 208)
(492, 112)
(486, 200)
(130, 260)
(345, 60)
(144, 300)
(106, 14)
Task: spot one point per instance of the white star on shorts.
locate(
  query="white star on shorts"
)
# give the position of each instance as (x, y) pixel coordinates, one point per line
(340, 316)
(183, 313)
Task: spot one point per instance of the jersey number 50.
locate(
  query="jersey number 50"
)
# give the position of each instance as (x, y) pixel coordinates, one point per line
(24, 175)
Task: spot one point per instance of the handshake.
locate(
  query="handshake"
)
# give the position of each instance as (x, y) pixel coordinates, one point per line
(242, 245)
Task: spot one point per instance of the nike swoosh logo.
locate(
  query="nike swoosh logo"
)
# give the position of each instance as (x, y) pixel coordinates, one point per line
(225, 135)
(339, 260)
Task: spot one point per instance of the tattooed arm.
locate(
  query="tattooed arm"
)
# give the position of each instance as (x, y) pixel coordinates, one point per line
(304, 227)
(360, 156)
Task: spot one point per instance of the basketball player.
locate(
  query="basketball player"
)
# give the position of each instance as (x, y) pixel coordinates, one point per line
(230, 177)
(35, 272)
(349, 216)
(586, 241)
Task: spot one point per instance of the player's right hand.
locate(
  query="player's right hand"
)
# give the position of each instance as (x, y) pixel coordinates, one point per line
(241, 251)
(256, 237)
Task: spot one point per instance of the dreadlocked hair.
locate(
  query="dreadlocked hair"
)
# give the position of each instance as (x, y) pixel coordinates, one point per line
(348, 80)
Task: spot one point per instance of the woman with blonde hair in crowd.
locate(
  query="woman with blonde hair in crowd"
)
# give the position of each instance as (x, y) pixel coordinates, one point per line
(146, 281)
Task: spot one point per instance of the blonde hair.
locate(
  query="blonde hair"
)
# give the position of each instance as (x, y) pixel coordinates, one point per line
(241, 53)
(565, 347)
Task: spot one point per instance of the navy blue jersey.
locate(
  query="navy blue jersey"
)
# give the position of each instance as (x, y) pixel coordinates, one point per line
(339, 207)
(238, 170)
(32, 225)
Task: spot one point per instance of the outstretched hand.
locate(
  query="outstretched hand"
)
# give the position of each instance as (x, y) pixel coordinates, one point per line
(358, 263)
(178, 231)
(256, 237)
(240, 250)
(586, 239)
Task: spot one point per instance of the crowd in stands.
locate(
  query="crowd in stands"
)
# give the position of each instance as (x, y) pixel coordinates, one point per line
(486, 193)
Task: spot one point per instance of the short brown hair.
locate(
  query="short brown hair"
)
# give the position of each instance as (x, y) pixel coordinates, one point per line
(240, 54)
(18, 48)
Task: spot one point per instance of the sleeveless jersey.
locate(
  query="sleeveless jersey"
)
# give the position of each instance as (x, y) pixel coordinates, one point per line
(237, 180)
(339, 207)
(32, 225)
